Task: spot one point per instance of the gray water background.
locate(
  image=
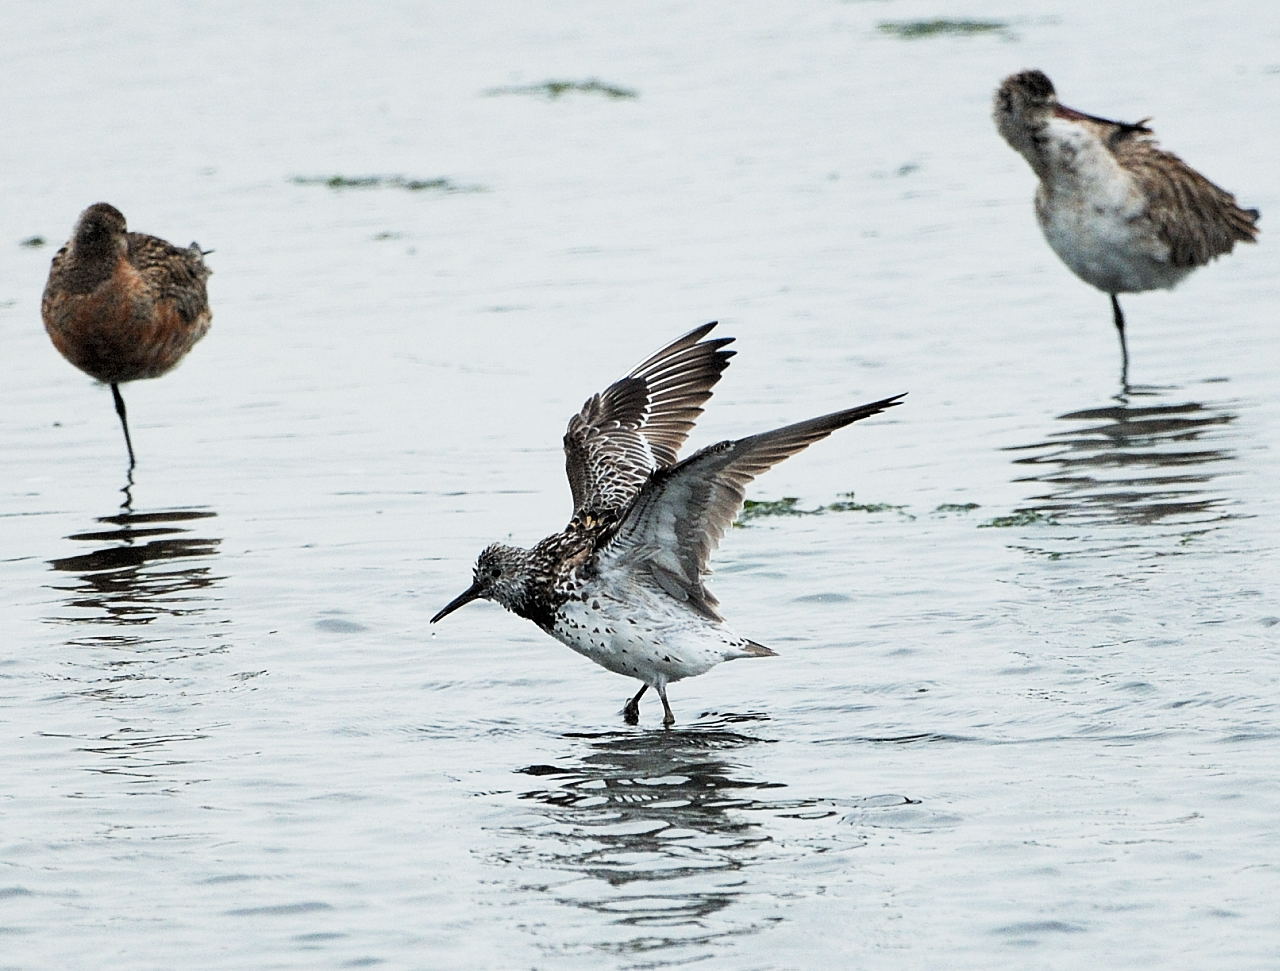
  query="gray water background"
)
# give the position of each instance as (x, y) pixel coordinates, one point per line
(1024, 712)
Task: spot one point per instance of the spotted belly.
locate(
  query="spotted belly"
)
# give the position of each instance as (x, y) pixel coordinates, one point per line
(656, 645)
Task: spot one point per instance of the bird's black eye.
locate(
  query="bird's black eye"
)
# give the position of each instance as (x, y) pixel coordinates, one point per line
(495, 572)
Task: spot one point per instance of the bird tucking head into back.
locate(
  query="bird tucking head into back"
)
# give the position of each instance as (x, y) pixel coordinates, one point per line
(502, 574)
(1023, 104)
(100, 229)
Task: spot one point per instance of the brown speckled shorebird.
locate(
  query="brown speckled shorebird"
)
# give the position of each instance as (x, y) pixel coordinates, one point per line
(122, 306)
(1123, 215)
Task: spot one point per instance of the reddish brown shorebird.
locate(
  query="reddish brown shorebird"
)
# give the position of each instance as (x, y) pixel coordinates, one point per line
(122, 306)
(1124, 215)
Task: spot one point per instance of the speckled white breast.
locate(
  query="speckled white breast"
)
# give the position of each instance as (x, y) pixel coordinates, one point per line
(1094, 217)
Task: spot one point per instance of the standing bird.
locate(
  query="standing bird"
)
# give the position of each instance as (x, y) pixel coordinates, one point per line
(622, 583)
(1123, 215)
(122, 306)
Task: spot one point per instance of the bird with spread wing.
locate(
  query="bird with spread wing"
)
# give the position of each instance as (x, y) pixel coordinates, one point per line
(622, 583)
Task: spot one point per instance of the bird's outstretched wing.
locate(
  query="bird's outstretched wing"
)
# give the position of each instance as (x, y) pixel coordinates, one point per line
(638, 424)
(669, 533)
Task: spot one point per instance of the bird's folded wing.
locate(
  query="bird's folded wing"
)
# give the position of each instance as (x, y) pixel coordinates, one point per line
(1196, 219)
(172, 273)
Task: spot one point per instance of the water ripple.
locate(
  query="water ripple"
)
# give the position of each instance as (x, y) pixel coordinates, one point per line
(1139, 461)
(661, 829)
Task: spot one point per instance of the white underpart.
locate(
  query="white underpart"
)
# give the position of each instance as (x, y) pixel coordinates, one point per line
(648, 635)
(1093, 214)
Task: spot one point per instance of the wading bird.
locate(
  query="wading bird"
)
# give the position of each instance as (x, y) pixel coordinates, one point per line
(122, 306)
(1124, 215)
(621, 584)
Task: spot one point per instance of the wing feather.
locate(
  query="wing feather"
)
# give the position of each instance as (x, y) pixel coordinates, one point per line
(1197, 219)
(638, 424)
(668, 535)
(173, 274)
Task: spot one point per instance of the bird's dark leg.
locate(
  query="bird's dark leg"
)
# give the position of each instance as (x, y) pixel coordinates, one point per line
(668, 719)
(631, 713)
(1118, 316)
(124, 422)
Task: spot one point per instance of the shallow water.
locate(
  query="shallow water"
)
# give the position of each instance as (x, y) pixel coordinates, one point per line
(1024, 709)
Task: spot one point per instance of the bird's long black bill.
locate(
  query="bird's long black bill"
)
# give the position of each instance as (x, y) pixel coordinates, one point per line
(471, 593)
(1062, 111)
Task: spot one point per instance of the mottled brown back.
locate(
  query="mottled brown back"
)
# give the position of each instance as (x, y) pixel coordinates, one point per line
(172, 273)
(1199, 220)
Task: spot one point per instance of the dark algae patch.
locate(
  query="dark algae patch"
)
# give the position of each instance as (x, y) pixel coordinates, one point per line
(758, 508)
(1026, 517)
(788, 506)
(755, 509)
(384, 182)
(33, 242)
(846, 503)
(915, 29)
(558, 89)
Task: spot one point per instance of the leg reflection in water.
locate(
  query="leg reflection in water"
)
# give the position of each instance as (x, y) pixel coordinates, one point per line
(1146, 459)
(141, 566)
(667, 847)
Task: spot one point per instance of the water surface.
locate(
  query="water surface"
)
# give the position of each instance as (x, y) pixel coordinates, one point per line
(1024, 709)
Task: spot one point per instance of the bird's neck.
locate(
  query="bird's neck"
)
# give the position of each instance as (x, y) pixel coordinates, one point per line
(1074, 158)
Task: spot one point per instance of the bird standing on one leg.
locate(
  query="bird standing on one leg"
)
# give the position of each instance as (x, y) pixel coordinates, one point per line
(1123, 215)
(622, 583)
(122, 306)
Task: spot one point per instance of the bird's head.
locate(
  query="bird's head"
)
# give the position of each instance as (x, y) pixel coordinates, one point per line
(1023, 102)
(501, 574)
(100, 227)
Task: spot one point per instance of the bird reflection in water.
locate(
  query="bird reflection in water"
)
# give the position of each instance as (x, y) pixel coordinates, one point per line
(1144, 460)
(142, 566)
(140, 569)
(658, 832)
